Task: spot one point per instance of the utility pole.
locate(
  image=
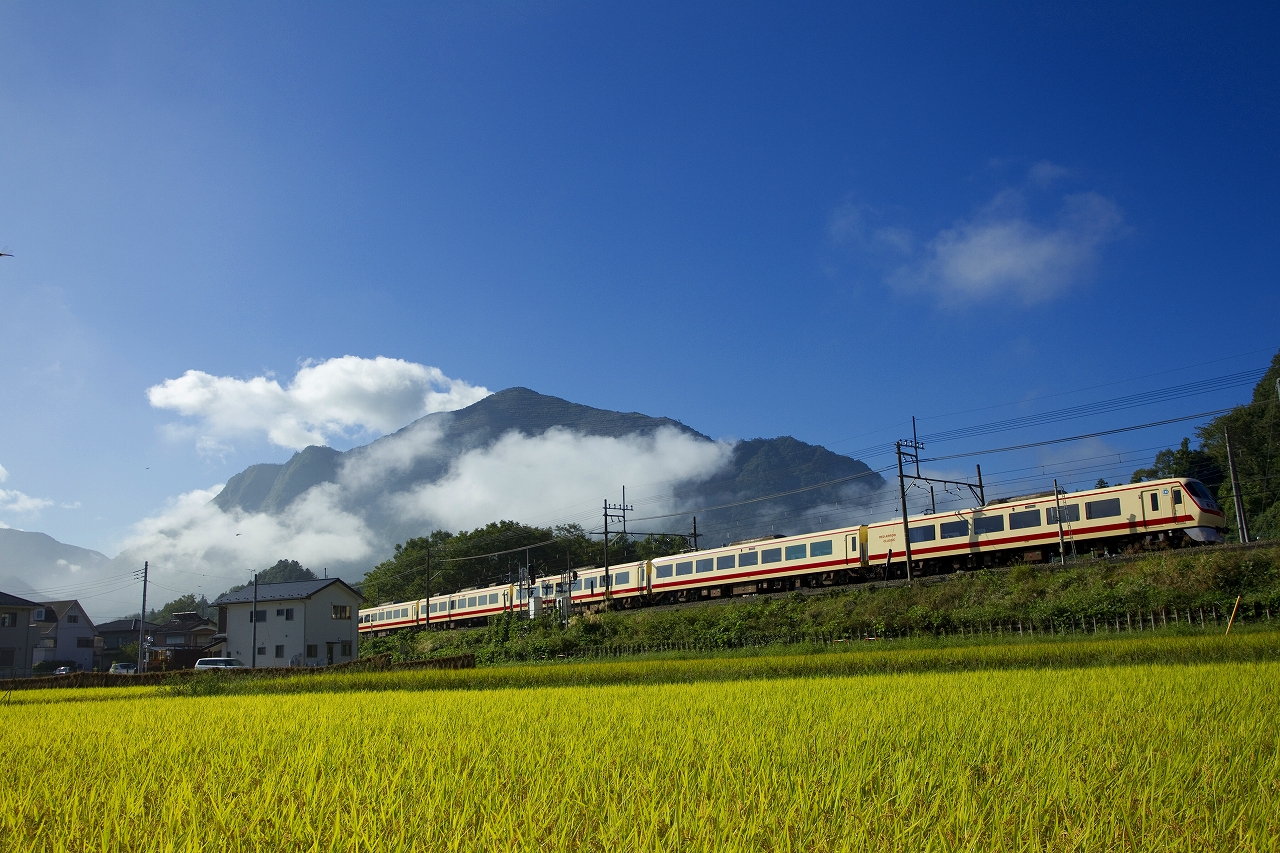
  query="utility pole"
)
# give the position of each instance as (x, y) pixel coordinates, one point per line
(902, 493)
(695, 533)
(1242, 523)
(142, 623)
(253, 617)
(1062, 540)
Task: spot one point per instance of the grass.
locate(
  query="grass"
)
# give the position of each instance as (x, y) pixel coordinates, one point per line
(1127, 757)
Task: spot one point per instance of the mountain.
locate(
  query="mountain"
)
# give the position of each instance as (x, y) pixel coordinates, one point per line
(26, 556)
(756, 468)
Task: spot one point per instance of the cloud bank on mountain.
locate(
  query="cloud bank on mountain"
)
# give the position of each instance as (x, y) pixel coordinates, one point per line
(337, 398)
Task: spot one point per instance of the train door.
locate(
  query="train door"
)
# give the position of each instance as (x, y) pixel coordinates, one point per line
(1157, 506)
(858, 546)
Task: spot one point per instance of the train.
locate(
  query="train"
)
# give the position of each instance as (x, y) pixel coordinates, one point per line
(1158, 514)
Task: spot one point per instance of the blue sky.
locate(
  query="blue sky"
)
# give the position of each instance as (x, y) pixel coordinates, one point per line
(759, 220)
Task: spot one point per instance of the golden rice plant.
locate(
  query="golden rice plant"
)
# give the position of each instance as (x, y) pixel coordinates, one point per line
(1146, 757)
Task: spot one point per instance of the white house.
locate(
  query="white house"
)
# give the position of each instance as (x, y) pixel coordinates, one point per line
(17, 635)
(65, 634)
(300, 623)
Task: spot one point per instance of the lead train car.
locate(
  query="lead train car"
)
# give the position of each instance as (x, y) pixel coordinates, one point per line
(1152, 515)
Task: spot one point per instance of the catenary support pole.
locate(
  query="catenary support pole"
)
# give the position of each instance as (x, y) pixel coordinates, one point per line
(902, 493)
(1062, 540)
(1242, 524)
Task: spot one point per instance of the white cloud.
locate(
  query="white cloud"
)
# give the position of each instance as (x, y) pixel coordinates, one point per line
(339, 397)
(999, 251)
(194, 537)
(75, 505)
(997, 254)
(4, 475)
(15, 501)
(532, 478)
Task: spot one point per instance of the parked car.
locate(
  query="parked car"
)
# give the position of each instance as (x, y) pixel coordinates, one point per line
(124, 668)
(219, 663)
(64, 670)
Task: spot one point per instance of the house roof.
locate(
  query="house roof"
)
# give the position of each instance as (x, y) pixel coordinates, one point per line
(124, 625)
(186, 622)
(290, 591)
(61, 608)
(7, 600)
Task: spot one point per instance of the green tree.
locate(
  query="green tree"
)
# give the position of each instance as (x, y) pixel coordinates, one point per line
(1183, 462)
(188, 603)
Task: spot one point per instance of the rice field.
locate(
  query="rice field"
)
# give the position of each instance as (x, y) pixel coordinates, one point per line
(1121, 757)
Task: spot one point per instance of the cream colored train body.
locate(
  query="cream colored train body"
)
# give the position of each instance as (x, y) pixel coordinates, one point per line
(1154, 515)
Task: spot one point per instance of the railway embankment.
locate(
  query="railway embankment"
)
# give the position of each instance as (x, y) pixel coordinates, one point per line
(1192, 590)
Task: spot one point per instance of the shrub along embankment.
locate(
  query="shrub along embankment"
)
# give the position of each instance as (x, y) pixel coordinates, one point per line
(1196, 589)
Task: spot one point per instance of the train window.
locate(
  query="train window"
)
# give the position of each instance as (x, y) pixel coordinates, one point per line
(954, 529)
(705, 565)
(684, 568)
(471, 601)
(1108, 508)
(1177, 497)
(988, 524)
(771, 555)
(748, 558)
(820, 549)
(725, 562)
(664, 571)
(1026, 518)
(923, 533)
(1155, 502)
(1070, 513)
(622, 578)
(796, 552)
(575, 586)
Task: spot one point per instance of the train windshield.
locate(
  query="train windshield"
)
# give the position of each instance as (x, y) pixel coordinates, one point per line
(1202, 494)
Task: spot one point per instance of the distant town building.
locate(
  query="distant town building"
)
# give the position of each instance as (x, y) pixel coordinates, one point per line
(65, 636)
(17, 636)
(120, 633)
(180, 642)
(300, 623)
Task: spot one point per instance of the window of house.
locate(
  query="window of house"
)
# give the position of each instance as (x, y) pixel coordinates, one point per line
(796, 552)
(7, 657)
(771, 555)
(312, 651)
(346, 649)
(820, 549)
(664, 571)
(748, 558)
(705, 565)
(1108, 508)
(1070, 513)
(173, 640)
(87, 642)
(1024, 519)
(279, 651)
(725, 562)
(279, 611)
(262, 651)
(342, 611)
(684, 568)
(923, 533)
(988, 524)
(72, 618)
(288, 614)
(8, 620)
